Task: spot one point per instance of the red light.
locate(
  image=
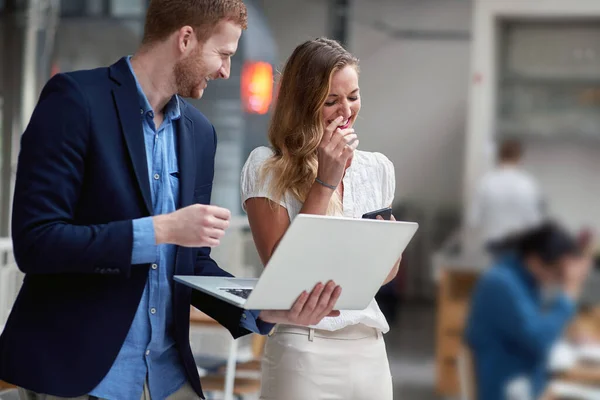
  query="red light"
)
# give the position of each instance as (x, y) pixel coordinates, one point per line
(54, 69)
(257, 87)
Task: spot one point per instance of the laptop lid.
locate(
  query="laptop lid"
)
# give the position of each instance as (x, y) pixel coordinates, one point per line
(357, 254)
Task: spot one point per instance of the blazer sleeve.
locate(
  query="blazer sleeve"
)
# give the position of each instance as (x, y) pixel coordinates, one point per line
(50, 175)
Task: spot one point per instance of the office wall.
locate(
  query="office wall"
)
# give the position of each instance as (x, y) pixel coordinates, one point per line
(414, 89)
(568, 176)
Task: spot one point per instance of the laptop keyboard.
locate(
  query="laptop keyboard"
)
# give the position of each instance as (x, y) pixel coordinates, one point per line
(243, 293)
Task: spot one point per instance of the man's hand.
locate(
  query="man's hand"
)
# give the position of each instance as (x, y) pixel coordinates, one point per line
(308, 309)
(197, 225)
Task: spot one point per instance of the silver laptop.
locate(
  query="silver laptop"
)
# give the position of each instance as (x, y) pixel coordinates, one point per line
(357, 254)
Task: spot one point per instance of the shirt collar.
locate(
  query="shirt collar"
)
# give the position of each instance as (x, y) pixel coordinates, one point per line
(172, 109)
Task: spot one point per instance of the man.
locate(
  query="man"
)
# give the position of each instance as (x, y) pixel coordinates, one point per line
(111, 200)
(508, 199)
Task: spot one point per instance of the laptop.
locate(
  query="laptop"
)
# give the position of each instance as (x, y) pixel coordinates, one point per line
(356, 254)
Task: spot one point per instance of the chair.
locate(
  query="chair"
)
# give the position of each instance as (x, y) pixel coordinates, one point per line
(247, 374)
(9, 394)
(8, 391)
(251, 368)
(11, 279)
(242, 386)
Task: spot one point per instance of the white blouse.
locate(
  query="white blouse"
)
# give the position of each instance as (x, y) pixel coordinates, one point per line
(369, 184)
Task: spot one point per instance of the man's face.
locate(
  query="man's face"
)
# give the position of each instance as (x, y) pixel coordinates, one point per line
(208, 60)
(547, 275)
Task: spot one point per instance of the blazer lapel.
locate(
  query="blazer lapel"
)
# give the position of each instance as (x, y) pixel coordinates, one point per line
(187, 158)
(127, 103)
(187, 173)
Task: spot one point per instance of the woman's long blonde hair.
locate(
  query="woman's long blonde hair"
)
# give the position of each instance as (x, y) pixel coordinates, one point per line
(296, 127)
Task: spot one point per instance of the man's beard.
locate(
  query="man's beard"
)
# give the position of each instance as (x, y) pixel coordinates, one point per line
(189, 74)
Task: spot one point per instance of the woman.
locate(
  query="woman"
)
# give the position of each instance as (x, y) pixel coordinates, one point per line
(519, 309)
(313, 167)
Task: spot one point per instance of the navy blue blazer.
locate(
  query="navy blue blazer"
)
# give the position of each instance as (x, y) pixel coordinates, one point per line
(81, 179)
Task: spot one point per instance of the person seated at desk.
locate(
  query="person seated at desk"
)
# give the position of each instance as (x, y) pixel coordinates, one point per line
(520, 307)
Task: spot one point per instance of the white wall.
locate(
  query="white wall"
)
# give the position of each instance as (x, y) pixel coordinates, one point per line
(567, 170)
(568, 176)
(414, 92)
(294, 21)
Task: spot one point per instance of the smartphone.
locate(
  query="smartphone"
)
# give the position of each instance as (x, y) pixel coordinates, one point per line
(386, 213)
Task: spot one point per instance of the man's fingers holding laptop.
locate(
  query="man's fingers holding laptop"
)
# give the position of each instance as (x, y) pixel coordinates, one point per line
(308, 309)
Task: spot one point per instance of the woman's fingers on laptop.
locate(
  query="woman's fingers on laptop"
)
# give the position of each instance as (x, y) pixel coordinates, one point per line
(323, 299)
(298, 306)
(308, 309)
(290, 316)
(320, 310)
(313, 302)
(328, 309)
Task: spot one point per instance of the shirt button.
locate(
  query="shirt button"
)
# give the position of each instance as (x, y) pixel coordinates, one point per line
(154, 266)
(244, 315)
(147, 352)
(153, 311)
(142, 111)
(156, 176)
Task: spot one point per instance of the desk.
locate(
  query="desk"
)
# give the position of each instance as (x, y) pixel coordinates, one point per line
(587, 323)
(456, 268)
(454, 292)
(585, 374)
(4, 385)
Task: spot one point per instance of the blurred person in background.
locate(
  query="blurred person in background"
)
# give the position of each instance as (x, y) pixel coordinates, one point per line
(111, 200)
(313, 167)
(520, 308)
(507, 200)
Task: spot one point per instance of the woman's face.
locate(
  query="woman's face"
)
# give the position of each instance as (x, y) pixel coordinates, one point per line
(343, 98)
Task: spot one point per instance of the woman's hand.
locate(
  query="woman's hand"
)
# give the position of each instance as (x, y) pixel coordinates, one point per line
(309, 309)
(336, 148)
